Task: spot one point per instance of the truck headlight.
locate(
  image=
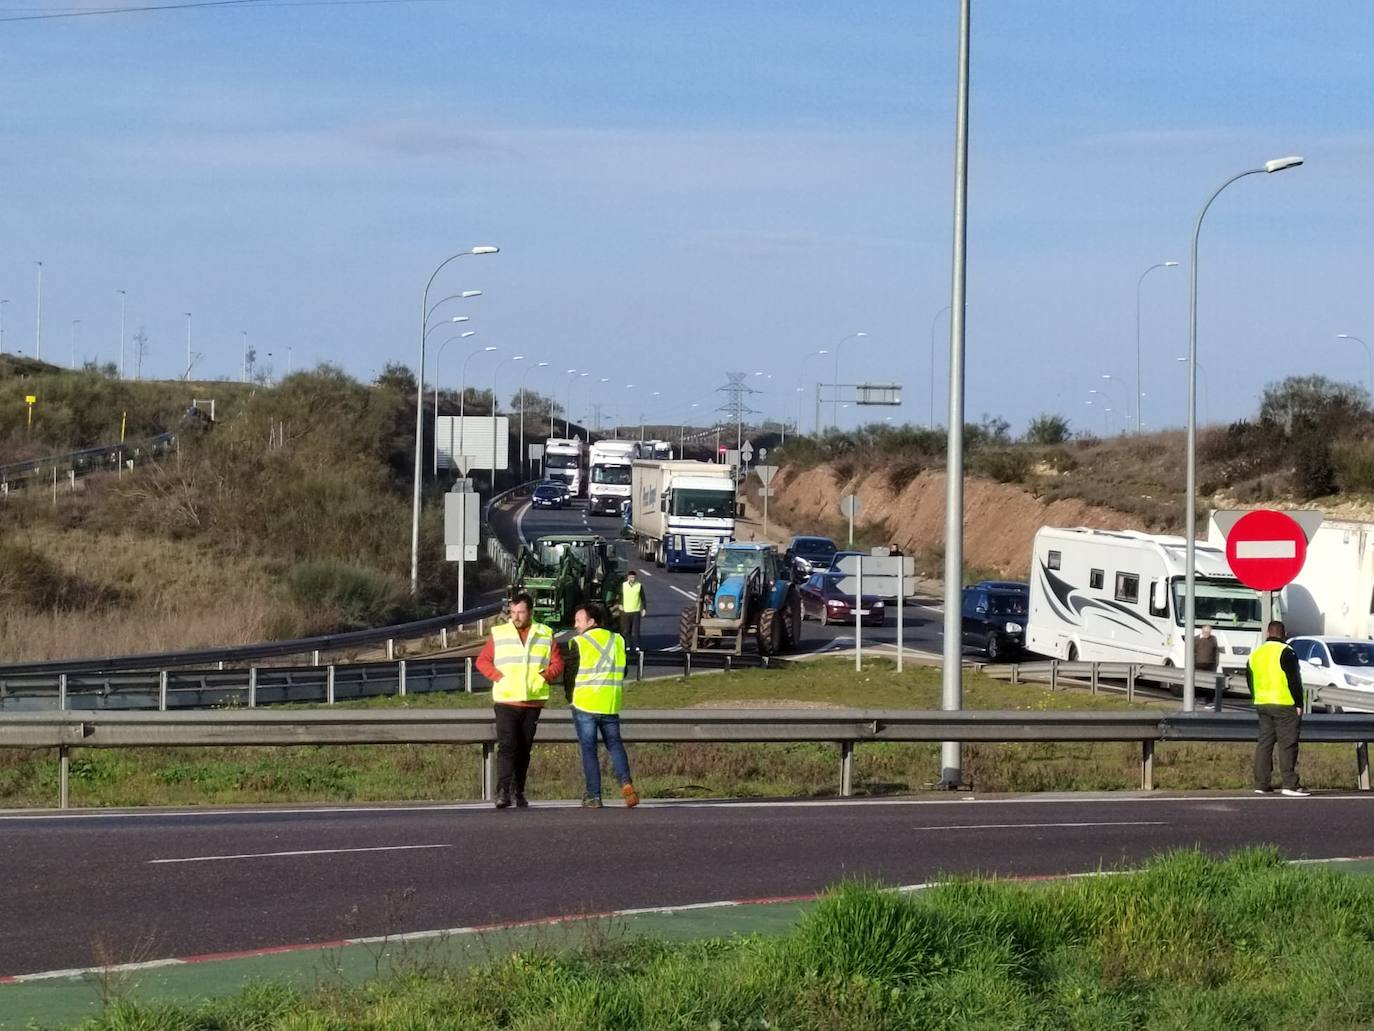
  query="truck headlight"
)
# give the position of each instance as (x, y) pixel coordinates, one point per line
(1014, 628)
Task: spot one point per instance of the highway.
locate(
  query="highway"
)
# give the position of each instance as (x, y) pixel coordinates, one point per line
(157, 884)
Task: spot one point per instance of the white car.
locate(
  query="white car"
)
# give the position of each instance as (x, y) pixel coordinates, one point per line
(1345, 662)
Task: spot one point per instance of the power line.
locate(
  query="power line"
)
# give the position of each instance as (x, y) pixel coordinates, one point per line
(91, 12)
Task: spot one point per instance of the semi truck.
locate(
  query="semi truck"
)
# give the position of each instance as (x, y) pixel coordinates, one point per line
(1334, 592)
(565, 460)
(608, 480)
(1118, 596)
(681, 511)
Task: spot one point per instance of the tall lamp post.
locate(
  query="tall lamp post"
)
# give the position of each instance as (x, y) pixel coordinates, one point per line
(75, 324)
(1139, 283)
(1348, 336)
(495, 406)
(1190, 514)
(437, 356)
(1206, 401)
(526, 376)
(567, 412)
(187, 377)
(1107, 377)
(420, 416)
(123, 299)
(835, 384)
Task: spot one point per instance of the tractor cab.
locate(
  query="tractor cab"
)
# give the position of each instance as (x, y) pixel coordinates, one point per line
(562, 571)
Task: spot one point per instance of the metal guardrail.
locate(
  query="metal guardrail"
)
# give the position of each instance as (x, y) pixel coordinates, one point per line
(846, 728)
(87, 460)
(1343, 698)
(1106, 675)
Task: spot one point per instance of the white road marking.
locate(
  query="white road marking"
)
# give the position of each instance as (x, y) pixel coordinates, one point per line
(1020, 826)
(685, 594)
(520, 522)
(300, 852)
(643, 572)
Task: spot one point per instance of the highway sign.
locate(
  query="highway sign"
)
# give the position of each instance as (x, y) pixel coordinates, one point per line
(1266, 549)
(462, 530)
(747, 452)
(731, 457)
(766, 473)
(850, 505)
(763, 453)
(536, 452)
(766, 492)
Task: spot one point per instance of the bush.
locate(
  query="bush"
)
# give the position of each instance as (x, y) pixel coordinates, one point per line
(1048, 429)
(1314, 475)
(30, 579)
(345, 596)
(1354, 466)
(1006, 465)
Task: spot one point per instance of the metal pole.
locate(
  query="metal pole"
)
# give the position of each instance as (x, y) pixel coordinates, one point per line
(858, 617)
(162, 691)
(188, 347)
(952, 692)
(123, 299)
(901, 607)
(933, 324)
(1139, 283)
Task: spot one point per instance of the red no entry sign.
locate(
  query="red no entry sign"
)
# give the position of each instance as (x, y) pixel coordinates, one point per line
(1266, 549)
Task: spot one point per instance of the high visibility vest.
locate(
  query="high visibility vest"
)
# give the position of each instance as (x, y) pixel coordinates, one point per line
(631, 597)
(600, 672)
(521, 663)
(1268, 680)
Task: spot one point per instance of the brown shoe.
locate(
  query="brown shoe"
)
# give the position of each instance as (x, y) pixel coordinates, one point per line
(631, 796)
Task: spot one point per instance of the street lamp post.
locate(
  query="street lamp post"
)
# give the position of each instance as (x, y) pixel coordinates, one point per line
(420, 417)
(463, 395)
(567, 412)
(495, 405)
(1139, 283)
(75, 324)
(1206, 402)
(814, 354)
(1190, 513)
(123, 299)
(438, 355)
(38, 320)
(835, 384)
(1107, 377)
(1348, 336)
(528, 369)
(188, 347)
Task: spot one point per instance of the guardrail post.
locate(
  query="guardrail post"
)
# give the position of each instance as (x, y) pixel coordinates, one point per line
(221, 665)
(1130, 682)
(1092, 679)
(488, 771)
(482, 628)
(846, 769)
(1219, 691)
(329, 684)
(1054, 674)
(315, 657)
(252, 687)
(443, 638)
(1147, 765)
(62, 692)
(729, 664)
(1016, 673)
(1362, 764)
(687, 665)
(467, 674)
(390, 649)
(640, 674)
(64, 760)
(401, 677)
(162, 691)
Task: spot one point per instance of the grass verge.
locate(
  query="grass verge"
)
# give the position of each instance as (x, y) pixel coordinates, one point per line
(1186, 942)
(223, 776)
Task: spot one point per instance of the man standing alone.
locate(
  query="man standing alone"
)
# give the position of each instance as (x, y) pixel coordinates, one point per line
(595, 679)
(1276, 684)
(520, 659)
(632, 609)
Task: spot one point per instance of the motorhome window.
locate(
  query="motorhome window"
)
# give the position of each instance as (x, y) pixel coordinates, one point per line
(617, 475)
(705, 504)
(1053, 562)
(1222, 604)
(1127, 587)
(560, 461)
(1095, 578)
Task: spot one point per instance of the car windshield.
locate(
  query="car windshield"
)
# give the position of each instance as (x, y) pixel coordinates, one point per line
(704, 504)
(1219, 604)
(547, 492)
(813, 547)
(1007, 604)
(618, 475)
(560, 461)
(1352, 654)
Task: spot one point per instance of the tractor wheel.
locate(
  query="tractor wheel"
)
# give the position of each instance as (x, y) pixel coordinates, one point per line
(791, 630)
(687, 629)
(770, 626)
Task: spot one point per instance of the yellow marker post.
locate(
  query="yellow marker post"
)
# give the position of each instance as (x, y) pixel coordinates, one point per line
(30, 400)
(123, 421)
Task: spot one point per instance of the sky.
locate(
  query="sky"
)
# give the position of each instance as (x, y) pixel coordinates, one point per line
(685, 190)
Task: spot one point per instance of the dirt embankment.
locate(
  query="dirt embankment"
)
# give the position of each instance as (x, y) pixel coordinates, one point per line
(999, 519)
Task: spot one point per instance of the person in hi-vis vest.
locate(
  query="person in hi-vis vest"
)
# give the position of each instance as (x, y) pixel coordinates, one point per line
(632, 608)
(1275, 681)
(594, 681)
(521, 659)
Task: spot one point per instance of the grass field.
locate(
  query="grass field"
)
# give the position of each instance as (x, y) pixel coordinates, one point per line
(433, 772)
(1187, 942)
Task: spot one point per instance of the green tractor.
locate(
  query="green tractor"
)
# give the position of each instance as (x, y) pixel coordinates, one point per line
(745, 592)
(563, 571)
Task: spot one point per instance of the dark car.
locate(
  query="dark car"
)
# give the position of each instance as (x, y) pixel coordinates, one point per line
(994, 617)
(549, 495)
(822, 599)
(807, 555)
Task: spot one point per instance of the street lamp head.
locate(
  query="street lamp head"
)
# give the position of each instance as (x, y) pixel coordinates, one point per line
(822, 351)
(1279, 164)
(1339, 336)
(470, 293)
(517, 357)
(1183, 359)
(542, 365)
(1106, 375)
(460, 318)
(861, 334)
(485, 250)
(467, 333)
(1171, 264)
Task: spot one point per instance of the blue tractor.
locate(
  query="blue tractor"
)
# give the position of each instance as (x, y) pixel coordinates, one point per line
(745, 592)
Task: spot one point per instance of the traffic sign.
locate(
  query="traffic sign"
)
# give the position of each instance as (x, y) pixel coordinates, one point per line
(763, 453)
(1266, 549)
(850, 505)
(766, 492)
(747, 452)
(766, 473)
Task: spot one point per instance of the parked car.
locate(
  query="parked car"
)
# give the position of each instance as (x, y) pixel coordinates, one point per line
(994, 617)
(822, 599)
(807, 555)
(1337, 662)
(549, 495)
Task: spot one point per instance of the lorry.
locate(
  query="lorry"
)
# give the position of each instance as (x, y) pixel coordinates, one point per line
(608, 480)
(565, 460)
(1118, 596)
(747, 591)
(681, 511)
(1333, 595)
(562, 571)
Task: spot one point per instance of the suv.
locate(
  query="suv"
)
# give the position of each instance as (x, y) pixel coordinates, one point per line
(807, 555)
(994, 617)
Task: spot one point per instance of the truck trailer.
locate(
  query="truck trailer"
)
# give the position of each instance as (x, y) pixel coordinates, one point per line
(608, 479)
(681, 511)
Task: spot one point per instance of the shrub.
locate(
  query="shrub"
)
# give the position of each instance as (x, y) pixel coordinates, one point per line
(346, 595)
(1354, 465)
(1314, 475)
(1006, 465)
(30, 579)
(1048, 429)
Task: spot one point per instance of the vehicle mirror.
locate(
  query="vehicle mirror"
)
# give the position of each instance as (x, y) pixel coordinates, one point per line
(1159, 597)
(1317, 660)
(663, 504)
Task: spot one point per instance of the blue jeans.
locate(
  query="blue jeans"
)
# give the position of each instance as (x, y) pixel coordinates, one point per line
(588, 723)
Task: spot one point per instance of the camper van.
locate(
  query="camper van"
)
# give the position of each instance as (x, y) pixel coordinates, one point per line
(1118, 596)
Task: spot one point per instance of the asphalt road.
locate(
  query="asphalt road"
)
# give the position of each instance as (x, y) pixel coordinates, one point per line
(85, 889)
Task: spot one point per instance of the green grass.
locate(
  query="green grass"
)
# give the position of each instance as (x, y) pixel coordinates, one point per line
(1187, 942)
(378, 773)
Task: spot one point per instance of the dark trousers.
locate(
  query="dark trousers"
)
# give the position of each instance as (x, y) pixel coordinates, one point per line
(515, 727)
(629, 629)
(1277, 723)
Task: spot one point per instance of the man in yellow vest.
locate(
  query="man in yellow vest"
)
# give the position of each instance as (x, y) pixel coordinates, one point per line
(1275, 681)
(595, 680)
(520, 659)
(632, 609)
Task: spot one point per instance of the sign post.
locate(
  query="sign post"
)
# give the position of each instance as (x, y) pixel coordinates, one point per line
(859, 617)
(766, 474)
(850, 506)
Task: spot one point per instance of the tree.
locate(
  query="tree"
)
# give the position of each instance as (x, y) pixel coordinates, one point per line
(396, 376)
(1302, 402)
(1048, 429)
(536, 405)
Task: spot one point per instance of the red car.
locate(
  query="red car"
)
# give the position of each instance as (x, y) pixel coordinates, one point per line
(822, 599)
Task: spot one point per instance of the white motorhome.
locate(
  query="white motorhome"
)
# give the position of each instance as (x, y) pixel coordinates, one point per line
(608, 481)
(565, 460)
(1118, 596)
(1334, 593)
(681, 511)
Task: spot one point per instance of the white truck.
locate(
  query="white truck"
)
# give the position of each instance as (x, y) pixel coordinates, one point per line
(681, 511)
(608, 480)
(565, 460)
(1334, 593)
(1118, 596)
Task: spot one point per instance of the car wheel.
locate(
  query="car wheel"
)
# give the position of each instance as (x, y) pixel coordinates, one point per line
(825, 616)
(992, 648)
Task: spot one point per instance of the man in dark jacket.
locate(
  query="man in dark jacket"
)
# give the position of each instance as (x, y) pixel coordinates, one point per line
(1275, 681)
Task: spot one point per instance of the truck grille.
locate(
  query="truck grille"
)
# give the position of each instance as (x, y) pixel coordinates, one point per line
(699, 546)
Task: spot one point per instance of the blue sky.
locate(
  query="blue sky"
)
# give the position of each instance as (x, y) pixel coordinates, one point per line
(681, 190)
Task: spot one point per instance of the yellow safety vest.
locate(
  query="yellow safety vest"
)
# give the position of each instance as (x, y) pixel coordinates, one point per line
(1268, 680)
(521, 663)
(600, 672)
(631, 597)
